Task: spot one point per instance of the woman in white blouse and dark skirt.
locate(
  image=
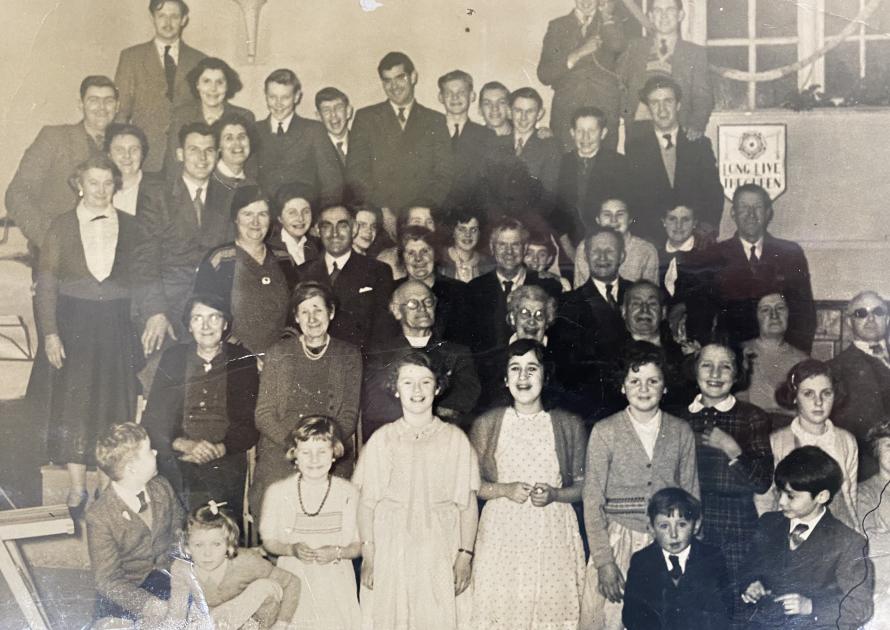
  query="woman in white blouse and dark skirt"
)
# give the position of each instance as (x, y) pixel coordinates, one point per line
(83, 308)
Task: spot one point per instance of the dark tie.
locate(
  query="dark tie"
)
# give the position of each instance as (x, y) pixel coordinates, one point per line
(402, 119)
(663, 48)
(280, 131)
(335, 273)
(753, 259)
(456, 136)
(876, 349)
(519, 146)
(105, 216)
(676, 570)
(199, 205)
(668, 141)
(610, 297)
(341, 151)
(143, 504)
(169, 71)
(508, 287)
(795, 539)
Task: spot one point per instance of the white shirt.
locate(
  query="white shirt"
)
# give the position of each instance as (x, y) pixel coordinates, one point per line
(341, 261)
(646, 431)
(683, 557)
(664, 143)
(601, 287)
(174, 51)
(866, 348)
(193, 187)
(344, 142)
(419, 342)
(130, 499)
(285, 123)
(724, 405)
(518, 280)
(758, 248)
(99, 240)
(685, 246)
(125, 199)
(811, 523)
(451, 124)
(294, 247)
(525, 138)
(407, 112)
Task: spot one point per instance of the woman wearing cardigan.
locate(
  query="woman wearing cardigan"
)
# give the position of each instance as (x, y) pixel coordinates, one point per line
(308, 374)
(529, 566)
(200, 409)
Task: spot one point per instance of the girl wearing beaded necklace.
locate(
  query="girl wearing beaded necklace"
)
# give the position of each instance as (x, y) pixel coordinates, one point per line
(309, 521)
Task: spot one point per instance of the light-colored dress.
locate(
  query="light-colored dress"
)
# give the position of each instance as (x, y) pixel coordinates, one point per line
(417, 485)
(529, 566)
(327, 591)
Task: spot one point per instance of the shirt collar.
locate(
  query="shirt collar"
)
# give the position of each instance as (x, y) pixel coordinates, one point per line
(419, 342)
(525, 137)
(174, 50)
(407, 108)
(84, 215)
(683, 557)
(685, 246)
(660, 135)
(806, 437)
(341, 261)
(746, 245)
(583, 19)
(130, 499)
(810, 522)
(285, 122)
(601, 287)
(724, 405)
(344, 140)
(518, 280)
(226, 171)
(651, 426)
(865, 346)
(193, 186)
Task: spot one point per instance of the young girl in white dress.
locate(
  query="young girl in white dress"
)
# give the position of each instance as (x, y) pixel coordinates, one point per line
(309, 521)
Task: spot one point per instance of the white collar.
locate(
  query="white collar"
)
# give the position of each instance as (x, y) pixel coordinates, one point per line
(724, 405)
(130, 499)
(174, 49)
(85, 215)
(683, 557)
(289, 241)
(418, 342)
(518, 280)
(746, 245)
(655, 339)
(285, 122)
(648, 426)
(865, 346)
(673, 133)
(341, 261)
(226, 171)
(583, 19)
(811, 523)
(586, 157)
(193, 187)
(601, 287)
(807, 437)
(344, 140)
(524, 137)
(460, 124)
(407, 108)
(685, 246)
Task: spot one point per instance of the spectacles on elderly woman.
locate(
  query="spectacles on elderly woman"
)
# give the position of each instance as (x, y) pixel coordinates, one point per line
(214, 319)
(415, 304)
(538, 315)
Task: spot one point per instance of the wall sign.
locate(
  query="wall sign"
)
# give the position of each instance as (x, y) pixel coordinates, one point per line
(752, 154)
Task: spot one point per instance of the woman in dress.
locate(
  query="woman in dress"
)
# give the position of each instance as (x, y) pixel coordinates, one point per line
(463, 261)
(309, 522)
(213, 83)
(200, 409)
(308, 374)
(529, 566)
(127, 147)
(418, 478)
(253, 279)
(83, 308)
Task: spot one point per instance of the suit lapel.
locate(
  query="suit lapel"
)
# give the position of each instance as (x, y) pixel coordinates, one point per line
(184, 206)
(151, 61)
(124, 516)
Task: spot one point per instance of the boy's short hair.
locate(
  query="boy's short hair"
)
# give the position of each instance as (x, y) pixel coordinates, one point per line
(589, 112)
(117, 447)
(154, 5)
(526, 92)
(283, 76)
(493, 85)
(199, 127)
(456, 75)
(99, 81)
(809, 469)
(660, 82)
(668, 501)
(328, 94)
(213, 516)
(316, 428)
(391, 60)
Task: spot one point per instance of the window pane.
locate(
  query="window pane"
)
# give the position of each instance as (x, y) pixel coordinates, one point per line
(727, 18)
(774, 93)
(879, 22)
(838, 14)
(729, 94)
(877, 71)
(776, 18)
(842, 69)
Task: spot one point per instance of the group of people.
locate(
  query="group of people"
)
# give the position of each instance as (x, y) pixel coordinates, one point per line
(357, 332)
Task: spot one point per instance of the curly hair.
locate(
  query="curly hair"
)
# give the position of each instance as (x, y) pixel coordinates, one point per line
(421, 359)
(213, 516)
(315, 428)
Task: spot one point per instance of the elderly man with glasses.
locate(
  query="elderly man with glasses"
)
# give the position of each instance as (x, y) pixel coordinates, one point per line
(864, 371)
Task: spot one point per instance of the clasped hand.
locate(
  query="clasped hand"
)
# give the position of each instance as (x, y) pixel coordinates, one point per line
(792, 603)
(319, 555)
(540, 494)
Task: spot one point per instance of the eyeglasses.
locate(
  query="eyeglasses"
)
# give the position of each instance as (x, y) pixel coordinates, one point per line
(862, 313)
(414, 304)
(214, 319)
(537, 315)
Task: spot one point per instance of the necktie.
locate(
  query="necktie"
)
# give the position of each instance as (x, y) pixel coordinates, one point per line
(100, 142)
(795, 539)
(335, 273)
(668, 141)
(199, 205)
(456, 135)
(280, 131)
(610, 297)
(663, 48)
(753, 259)
(143, 504)
(876, 349)
(341, 151)
(519, 146)
(402, 119)
(585, 25)
(676, 570)
(508, 286)
(169, 71)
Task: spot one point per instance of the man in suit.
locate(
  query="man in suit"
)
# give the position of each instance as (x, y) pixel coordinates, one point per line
(487, 297)
(414, 307)
(668, 168)
(361, 285)
(40, 189)
(470, 141)
(151, 77)
(588, 175)
(292, 148)
(494, 105)
(183, 219)
(863, 369)
(753, 263)
(578, 60)
(663, 51)
(400, 153)
(590, 330)
(335, 112)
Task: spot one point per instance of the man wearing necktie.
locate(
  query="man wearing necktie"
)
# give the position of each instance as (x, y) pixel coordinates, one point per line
(335, 112)
(864, 370)
(152, 76)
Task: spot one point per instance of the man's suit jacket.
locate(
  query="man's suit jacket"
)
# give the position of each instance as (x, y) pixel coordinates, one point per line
(40, 189)
(782, 269)
(866, 400)
(142, 84)
(689, 68)
(175, 244)
(124, 550)
(303, 154)
(578, 203)
(392, 168)
(831, 568)
(696, 181)
(700, 600)
(469, 150)
(590, 82)
(363, 289)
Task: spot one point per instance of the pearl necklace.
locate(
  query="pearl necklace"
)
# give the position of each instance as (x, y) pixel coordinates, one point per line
(300, 496)
(312, 355)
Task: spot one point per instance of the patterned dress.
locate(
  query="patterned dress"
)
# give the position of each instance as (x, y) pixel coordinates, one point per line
(529, 566)
(327, 591)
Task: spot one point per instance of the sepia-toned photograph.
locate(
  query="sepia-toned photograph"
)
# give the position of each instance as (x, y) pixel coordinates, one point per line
(445, 315)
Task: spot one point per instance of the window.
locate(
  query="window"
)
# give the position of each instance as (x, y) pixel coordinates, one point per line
(860, 66)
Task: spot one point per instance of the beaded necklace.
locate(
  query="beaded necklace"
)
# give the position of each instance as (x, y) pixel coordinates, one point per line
(300, 496)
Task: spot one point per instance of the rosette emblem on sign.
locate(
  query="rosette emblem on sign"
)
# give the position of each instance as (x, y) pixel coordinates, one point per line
(752, 154)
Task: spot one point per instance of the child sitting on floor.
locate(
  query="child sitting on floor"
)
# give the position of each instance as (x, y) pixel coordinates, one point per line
(221, 586)
(874, 512)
